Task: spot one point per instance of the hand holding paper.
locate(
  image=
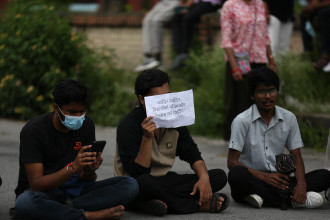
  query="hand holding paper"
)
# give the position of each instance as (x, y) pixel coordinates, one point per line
(171, 110)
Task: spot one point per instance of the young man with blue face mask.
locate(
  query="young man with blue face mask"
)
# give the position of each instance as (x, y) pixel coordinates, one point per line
(57, 172)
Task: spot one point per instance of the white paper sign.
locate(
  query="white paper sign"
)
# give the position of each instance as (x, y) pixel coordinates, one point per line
(171, 110)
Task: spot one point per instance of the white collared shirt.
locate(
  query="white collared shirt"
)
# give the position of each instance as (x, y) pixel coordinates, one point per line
(259, 142)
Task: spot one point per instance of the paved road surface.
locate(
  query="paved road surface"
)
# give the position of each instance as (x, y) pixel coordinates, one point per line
(213, 151)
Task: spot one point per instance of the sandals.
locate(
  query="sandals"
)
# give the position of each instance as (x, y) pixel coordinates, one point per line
(225, 204)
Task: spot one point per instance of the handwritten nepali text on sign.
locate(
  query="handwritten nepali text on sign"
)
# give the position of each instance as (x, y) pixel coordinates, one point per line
(171, 110)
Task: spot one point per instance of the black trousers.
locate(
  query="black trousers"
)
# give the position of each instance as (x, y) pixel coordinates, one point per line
(174, 189)
(236, 98)
(183, 25)
(242, 184)
(323, 18)
(324, 22)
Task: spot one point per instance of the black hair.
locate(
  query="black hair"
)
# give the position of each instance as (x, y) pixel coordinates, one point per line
(262, 75)
(70, 90)
(149, 79)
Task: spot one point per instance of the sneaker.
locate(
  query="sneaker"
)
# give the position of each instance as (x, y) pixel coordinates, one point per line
(147, 64)
(161, 67)
(327, 68)
(327, 194)
(178, 61)
(254, 200)
(313, 200)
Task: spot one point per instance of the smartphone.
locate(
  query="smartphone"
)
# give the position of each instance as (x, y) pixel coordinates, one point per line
(97, 146)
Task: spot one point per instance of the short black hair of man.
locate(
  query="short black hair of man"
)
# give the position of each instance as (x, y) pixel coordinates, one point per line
(70, 90)
(149, 79)
(262, 75)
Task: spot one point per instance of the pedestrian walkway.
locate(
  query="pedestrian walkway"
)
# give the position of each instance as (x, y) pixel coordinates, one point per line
(214, 152)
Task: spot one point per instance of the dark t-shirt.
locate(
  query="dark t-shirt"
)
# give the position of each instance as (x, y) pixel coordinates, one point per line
(281, 9)
(129, 137)
(40, 142)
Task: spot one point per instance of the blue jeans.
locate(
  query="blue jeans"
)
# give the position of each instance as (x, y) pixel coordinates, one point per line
(100, 195)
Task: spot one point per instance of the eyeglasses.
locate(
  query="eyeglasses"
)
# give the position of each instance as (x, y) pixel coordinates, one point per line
(263, 92)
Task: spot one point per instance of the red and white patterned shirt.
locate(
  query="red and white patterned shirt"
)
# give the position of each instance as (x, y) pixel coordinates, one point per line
(237, 24)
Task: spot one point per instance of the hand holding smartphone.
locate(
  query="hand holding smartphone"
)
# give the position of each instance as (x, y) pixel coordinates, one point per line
(97, 146)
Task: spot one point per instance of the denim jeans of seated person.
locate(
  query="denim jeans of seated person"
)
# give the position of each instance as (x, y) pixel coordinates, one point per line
(100, 195)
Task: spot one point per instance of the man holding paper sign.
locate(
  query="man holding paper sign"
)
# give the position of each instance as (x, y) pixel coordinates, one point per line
(147, 153)
(171, 110)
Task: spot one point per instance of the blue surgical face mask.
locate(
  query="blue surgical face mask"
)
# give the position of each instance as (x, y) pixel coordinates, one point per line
(72, 122)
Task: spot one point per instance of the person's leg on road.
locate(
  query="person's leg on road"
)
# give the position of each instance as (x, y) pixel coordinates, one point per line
(252, 185)
(317, 180)
(40, 205)
(174, 189)
(107, 193)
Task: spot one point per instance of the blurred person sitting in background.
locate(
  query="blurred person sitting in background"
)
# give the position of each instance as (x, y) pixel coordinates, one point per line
(187, 15)
(152, 30)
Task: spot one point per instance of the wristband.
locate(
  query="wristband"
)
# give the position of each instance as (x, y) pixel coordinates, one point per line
(67, 168)
(235, 70)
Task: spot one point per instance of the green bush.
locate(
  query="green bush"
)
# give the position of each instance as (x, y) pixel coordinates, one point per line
(305, 84)
(38, 48)
(313, 137)
(204, 73)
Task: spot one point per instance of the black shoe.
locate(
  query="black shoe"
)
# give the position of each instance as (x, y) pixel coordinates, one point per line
(179, 61)
(152, 207)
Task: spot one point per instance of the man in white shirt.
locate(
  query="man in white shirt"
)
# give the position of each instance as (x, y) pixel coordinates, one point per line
(257, 135)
